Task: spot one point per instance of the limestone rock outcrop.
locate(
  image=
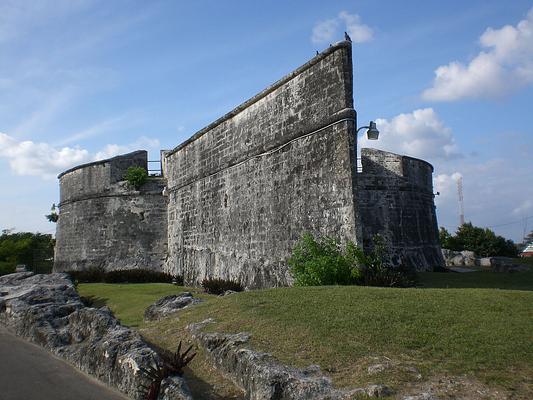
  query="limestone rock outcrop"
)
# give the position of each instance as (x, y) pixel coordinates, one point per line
(168, 305)
(47, 310)
(463, 258)
(263, 378)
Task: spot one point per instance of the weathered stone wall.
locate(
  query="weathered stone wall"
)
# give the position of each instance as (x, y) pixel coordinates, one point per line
(396, 200)
(105, 223)
(244, 189)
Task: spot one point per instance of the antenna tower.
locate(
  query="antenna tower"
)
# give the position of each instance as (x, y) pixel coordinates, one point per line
(461, 201)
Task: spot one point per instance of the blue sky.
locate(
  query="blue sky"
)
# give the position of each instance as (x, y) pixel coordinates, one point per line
(450, 82)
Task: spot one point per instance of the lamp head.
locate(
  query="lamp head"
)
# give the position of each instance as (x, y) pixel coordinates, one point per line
(372, 133)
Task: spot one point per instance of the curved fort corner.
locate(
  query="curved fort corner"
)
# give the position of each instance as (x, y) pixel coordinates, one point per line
(105, 223)
(396, 201)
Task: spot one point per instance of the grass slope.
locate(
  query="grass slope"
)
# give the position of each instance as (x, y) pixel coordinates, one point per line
(129, 300)
(486, 334)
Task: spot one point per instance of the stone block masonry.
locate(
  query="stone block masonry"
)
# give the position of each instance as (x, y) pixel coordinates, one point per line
(396, 201)
(241, 192)
(105, 223)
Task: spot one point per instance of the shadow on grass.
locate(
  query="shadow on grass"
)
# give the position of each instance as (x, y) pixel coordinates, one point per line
(203, 390)
(522, 280)
(94, 301)
(200, 389)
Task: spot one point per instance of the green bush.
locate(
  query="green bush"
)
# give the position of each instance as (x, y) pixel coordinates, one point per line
(324, 262)
(219, 286)
(136, 176)
(100, 275)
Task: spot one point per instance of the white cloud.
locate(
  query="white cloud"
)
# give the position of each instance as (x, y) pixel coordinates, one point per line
(446, 186)
(327, 30)
(46, 161)
(493, 194)
(359, 33)
(111, 150)
(418, 134)
(39, 159)
(505, 64)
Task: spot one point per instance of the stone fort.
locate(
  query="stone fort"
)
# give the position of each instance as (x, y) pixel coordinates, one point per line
(233, 200)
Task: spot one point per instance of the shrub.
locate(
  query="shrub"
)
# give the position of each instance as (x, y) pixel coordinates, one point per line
(219, 286)
(139, 276)
(324, 262)
(376, 271)
(136, 176)
(100, 275)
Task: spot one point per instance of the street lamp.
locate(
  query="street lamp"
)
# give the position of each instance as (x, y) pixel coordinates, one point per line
(372, 133)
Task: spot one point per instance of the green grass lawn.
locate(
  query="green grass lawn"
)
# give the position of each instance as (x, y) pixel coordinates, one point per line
(129, 300)
(486, 334)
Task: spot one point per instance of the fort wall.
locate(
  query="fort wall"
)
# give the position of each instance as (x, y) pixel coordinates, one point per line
(105, 223)
(396, 200)
(243, 190)
(236, 197)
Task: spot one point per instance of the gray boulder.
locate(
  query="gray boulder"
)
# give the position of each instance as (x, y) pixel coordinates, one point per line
(47, 310)
(467, 258)
(174, 388)
(501, 264)
(463, 258)
(168, 305)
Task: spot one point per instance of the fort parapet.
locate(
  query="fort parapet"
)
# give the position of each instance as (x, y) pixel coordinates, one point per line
(241, 192)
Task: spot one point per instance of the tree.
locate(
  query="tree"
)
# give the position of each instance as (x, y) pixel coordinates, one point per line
(35, 250)
(53, 216)
(445, 238)
(483, 242)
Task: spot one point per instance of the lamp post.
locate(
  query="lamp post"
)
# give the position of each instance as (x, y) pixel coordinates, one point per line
(372, 133)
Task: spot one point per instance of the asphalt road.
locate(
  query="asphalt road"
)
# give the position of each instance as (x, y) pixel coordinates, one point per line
(28, 372)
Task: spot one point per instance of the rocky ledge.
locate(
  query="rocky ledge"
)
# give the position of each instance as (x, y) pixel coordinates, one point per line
(263, 378)
(47, 310)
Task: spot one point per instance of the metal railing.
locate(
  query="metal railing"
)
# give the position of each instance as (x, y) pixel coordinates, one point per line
(154, 171)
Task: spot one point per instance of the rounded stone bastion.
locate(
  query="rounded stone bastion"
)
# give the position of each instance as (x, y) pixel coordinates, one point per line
(106, 223)
(396, 200)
